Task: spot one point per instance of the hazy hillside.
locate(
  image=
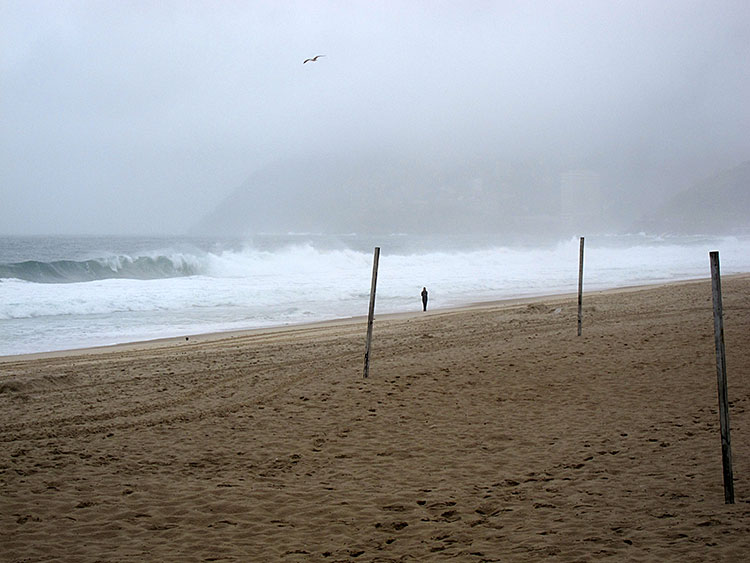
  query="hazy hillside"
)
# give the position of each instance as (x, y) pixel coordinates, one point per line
(385, 194)
(717, 205)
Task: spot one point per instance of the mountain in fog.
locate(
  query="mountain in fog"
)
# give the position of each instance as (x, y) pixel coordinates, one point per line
(383, 193)
(394, 194)
(719, 204)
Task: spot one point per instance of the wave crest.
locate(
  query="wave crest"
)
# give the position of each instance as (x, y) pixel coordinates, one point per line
(113, 267)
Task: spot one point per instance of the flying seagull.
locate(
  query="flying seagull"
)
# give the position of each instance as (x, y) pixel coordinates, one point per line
(313, 59)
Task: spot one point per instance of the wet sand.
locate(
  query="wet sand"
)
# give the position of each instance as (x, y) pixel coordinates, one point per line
(482, 434)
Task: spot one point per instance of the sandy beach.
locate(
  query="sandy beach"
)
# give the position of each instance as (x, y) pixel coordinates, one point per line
(492, 433)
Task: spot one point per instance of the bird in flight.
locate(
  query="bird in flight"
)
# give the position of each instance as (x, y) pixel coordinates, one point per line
(312, 59)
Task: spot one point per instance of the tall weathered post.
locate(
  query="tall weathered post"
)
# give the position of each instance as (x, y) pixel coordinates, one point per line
(721, 374)
(371, 314)
(580, 286)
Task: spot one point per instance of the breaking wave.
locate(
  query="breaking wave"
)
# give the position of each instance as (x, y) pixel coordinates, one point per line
(114, 267)
(184, 288)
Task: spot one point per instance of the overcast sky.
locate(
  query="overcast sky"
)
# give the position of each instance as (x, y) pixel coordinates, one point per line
(139, 116)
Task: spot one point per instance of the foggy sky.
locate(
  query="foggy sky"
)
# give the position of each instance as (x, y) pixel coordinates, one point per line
(139, 117)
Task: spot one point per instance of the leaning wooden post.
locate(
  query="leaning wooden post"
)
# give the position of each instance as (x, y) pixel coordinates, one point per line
(371, 313)
(721, 373)
(580, 286)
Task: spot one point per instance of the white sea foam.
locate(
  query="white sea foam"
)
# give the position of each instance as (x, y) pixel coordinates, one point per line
(246, 287)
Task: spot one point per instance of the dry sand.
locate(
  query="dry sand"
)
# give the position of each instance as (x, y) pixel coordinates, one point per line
(490, 434)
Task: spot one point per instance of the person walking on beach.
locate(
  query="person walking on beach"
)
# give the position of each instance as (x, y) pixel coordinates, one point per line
(424, 298)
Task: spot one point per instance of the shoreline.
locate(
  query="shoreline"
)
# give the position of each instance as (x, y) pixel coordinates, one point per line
(169, 341)
(487, 433)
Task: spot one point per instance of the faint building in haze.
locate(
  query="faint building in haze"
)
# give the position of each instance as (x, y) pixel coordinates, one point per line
(581, 202)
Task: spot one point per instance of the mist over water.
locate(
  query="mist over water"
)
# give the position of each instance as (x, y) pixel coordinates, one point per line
(535, 121)
(279, 280)
(433, 117)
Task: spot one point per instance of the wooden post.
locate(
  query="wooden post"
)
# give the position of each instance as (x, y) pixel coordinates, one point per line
(721, 374)
(371, 314)
(580, 287)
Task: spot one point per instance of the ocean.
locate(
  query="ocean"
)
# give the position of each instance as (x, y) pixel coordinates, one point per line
(60, 293)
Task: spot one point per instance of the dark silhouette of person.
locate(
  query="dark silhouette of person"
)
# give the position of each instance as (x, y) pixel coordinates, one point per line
(424, 298)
